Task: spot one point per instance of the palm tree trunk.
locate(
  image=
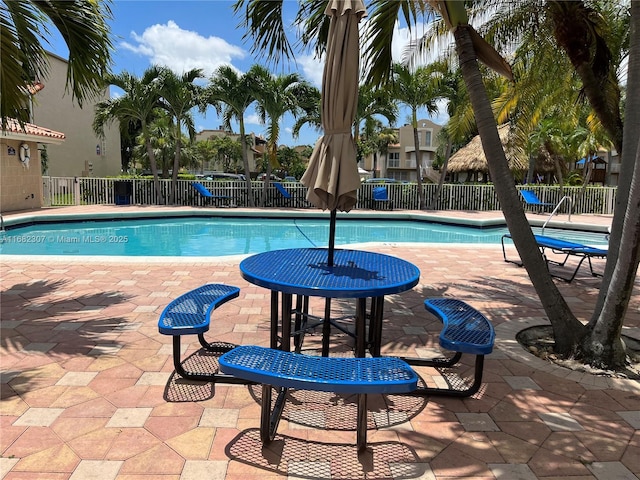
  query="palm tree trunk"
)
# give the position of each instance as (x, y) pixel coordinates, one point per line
(176, 168)
(568, 331)
(245, 163)
(153, 165)
(375, 163)
(416, 143)
(443, 174)
(603, 346)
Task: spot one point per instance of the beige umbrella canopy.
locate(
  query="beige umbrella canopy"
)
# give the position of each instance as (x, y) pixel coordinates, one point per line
(332, 175)
(471, 158)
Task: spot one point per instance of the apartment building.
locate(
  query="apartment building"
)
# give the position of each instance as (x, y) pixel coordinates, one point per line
(400, 162)
(83, 153)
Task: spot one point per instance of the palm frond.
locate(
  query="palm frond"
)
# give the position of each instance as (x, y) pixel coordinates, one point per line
(265, 28)
(84, 28)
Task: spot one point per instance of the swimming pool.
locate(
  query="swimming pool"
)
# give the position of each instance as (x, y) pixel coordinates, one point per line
(222, 236)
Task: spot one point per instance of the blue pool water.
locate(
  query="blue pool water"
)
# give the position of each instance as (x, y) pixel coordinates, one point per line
(196, 237)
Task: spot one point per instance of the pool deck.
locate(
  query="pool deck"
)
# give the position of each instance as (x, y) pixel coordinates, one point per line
(88, 389)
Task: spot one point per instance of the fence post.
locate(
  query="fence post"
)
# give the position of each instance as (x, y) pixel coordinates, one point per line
(76, 191)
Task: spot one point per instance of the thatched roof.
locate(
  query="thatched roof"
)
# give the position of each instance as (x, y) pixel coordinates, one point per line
(470, 158)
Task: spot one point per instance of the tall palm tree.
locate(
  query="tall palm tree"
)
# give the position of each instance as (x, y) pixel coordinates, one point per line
(461, 126)
(137, 105)
(375, 138)
(163, 142)
(602, 345)
(230, 93)
(310, 112)
(276, 95)
(178, 96)
(85, 30)
(592, 37)
(373, 102)
(564, 322)
(416, 89)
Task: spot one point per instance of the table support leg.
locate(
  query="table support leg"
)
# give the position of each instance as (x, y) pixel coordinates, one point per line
(375, 326)
(287, 299)
(326, 327)
(274, 320)
(301, 317)
(361, 424)
(361, 314)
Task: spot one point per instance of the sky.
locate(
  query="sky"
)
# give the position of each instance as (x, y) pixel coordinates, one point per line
(186, 34)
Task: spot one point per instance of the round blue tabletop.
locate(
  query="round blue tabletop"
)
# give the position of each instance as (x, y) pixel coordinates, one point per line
(354, 274)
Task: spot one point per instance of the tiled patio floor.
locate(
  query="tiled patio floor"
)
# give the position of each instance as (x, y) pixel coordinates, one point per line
(88, 390)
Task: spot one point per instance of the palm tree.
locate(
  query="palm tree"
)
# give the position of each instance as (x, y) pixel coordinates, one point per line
(461, 126)
(231, 95)
(385, 137)
(375, 139)
(179, 95)
(416, 89)
(276, 96)
(373, 102)
(162, 139)
(310, 114)
(83, 27)
(137, 105)
(602, 344)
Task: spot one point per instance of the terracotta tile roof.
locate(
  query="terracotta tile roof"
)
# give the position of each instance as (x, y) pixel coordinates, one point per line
(13, 127)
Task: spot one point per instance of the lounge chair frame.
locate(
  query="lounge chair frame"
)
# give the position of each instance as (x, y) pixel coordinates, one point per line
(561, 247)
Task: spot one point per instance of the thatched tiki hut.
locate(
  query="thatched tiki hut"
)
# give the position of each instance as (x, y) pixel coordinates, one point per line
(470, 164)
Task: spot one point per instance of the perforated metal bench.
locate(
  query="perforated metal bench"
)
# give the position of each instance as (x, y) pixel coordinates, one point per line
(190, 314)
(465, 330)
(283, 370)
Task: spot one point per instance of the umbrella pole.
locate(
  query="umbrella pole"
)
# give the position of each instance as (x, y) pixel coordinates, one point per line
(326, 325)
(332, 237)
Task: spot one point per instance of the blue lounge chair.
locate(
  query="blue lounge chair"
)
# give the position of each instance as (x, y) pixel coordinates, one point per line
(202, 190)
(381, 197)
(283, 191)
(531, 199)
(562, 247)
(286, 195)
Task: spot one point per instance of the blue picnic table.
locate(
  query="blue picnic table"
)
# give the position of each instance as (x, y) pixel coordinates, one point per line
(305, 272)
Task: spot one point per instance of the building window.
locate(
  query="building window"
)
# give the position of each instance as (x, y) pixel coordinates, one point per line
(427, 138)
(393, 160)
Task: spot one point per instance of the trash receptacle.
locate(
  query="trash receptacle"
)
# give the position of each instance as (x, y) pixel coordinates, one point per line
(122, 192)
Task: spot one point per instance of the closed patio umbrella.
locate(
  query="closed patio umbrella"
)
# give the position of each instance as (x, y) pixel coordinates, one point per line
(332, 175)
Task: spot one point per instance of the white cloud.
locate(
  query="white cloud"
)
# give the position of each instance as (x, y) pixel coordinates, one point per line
(442, 116)
(312, 68)
(402, 37)
(252, 119)
(182, 50)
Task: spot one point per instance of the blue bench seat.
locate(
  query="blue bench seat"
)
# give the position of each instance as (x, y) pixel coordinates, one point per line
(190, 314)
(277, 368)
(465, 330)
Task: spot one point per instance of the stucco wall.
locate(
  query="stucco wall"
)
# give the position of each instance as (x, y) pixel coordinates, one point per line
(78, 156)
(20, 188)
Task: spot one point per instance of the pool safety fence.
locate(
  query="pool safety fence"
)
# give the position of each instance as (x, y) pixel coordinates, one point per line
(59, 191)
